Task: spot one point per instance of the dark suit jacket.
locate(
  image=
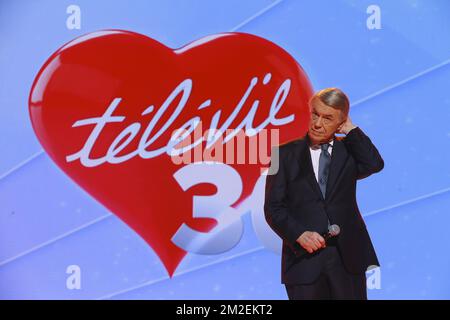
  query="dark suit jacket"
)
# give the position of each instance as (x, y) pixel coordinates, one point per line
(294, 204)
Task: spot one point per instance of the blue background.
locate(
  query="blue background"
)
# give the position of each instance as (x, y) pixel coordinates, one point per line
(397, 80)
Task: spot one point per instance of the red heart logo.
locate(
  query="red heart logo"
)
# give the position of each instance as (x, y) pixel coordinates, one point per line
(105, 105)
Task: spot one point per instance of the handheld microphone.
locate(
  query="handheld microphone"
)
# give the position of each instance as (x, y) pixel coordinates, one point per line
(333, 231)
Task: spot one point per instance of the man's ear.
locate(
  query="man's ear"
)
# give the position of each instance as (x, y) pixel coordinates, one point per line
(342, 124)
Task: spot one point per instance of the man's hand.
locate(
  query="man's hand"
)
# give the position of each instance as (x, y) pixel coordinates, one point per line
(346, 126)
(311, 241)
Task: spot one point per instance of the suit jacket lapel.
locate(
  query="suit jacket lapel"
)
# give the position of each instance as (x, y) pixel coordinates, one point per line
(307, 168)
(338, 158)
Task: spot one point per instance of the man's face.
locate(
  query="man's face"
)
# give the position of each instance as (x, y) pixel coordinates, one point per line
(325, 121)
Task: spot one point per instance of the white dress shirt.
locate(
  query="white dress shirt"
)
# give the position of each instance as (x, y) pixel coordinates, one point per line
(315, 156)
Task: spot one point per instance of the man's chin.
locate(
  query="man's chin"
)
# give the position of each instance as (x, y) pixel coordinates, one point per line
(313, 137)
(317, 138)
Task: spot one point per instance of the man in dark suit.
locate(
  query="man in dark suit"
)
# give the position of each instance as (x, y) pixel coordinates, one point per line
(314, 186)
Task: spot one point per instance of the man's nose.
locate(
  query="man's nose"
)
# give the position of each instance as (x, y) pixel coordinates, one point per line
(318, 123)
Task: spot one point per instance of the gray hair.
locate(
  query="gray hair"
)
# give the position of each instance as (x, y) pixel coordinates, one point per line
(334, 98)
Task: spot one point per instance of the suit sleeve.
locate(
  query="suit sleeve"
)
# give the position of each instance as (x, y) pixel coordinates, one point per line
(276, 208)
(368, 159)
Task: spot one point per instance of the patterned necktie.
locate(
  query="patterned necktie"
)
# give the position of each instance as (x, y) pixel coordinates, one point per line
(324, 167)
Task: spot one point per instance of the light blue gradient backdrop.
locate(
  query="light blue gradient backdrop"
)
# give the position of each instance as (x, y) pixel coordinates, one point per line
(397, 79)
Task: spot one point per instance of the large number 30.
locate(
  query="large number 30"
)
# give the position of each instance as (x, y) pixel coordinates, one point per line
(228, 231)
